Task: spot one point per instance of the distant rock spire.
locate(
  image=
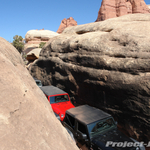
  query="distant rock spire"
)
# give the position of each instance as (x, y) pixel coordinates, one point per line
(66, 23)
(116, 8)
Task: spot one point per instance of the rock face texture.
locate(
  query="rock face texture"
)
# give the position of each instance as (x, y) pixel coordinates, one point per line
(66, 23)
(27, 121)
(34, 37)
(116, 8)
(104, 64)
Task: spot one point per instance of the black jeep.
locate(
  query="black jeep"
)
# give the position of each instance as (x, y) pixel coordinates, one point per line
(96, 129)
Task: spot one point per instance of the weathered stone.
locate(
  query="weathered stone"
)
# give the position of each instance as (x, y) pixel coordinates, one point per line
(33, 54)
(39, 35)
(27, 121)
(34, 37)
(66, 23)
(105, 64)
(116, 8)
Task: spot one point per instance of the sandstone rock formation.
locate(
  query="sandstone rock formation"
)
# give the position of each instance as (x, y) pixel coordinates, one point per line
(33, 54)
(34, 37)
(27, 121)
(149, 6)
(66, 23)
(39, 35)
(116, 8)
(105, 64)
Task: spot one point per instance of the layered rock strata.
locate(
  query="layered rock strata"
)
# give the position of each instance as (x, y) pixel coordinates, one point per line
(34, 37)
(116, 8)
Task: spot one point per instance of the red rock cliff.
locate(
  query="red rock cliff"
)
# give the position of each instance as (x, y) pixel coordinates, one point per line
(116, 8)
(66, 23)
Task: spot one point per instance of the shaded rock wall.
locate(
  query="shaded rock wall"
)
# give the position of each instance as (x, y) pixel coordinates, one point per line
(116, 8)
(104, 64)
(66, 23)
(27, 121)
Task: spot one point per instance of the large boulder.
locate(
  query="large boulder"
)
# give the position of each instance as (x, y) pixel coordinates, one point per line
(116, 8)
(69, 22)
(27, 121)
(104, 64)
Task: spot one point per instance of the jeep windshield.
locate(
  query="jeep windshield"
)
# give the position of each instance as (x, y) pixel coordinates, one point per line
(101, 126)
(38, 83)
(58, 99)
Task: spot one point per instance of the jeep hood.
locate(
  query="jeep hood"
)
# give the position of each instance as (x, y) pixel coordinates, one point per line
(113, 135)
(60, 108)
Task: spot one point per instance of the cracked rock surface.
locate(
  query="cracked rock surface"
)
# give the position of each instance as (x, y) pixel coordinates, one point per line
(105, 64)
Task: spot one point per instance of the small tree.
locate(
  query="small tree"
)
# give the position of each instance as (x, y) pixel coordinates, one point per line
(18, 43)
(42, 44)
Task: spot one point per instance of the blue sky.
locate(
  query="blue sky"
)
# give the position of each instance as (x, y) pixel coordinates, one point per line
(19, 16)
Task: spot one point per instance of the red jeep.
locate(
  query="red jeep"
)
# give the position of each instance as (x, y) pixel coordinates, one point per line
(59, 100)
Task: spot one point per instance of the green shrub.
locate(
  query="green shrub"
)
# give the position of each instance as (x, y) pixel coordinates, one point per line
(42, 44)
(18, 43)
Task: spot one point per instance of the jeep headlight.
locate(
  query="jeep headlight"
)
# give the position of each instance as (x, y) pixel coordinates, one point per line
(62, 115)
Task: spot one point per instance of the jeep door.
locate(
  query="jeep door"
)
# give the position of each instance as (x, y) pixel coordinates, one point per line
(69, 123)
(82, 133)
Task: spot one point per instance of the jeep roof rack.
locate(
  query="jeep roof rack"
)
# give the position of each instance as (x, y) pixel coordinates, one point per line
(51, 90)
(87, 114)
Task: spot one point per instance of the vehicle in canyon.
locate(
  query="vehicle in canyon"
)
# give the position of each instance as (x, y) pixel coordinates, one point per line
(38, 82)
(96, 129)
(59, 100)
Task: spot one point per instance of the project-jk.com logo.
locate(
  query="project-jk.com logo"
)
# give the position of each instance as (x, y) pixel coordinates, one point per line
(127, 144)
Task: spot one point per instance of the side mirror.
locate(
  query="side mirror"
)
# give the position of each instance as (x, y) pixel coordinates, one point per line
(84, 136)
